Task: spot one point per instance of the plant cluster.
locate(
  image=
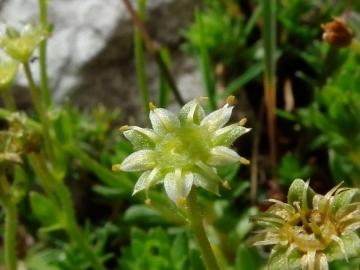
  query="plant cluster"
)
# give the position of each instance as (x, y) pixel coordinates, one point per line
(59, 155)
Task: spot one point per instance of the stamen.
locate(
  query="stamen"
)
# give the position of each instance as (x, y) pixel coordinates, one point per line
(181, 201)
(203, 98)
(242, 122)
(244, 161)
(116, 168)
(226, 185)
(148, 203)
(152, 106)
(230, 100)
(124, 128)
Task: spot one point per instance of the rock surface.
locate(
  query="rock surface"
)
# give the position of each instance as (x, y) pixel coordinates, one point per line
(90, 54)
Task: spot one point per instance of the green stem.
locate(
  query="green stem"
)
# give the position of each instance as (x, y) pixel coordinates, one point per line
(269, 37)
(39, 166)
(42, 56)
(41, 112)
(72, 228)
(8, 100)
(10, 226)
(199, 231)
(139, 60)
(154, 50)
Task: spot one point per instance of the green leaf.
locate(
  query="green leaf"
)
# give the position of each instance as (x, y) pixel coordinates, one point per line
(179, 251)
(247, 258)
(43, 209)
(142, 214)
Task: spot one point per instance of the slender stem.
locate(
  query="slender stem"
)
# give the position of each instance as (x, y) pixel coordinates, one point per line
(10, 226)
(269, 36)
(199, 231)
(41, 112)
(72, 228)
(8, 100)
(42, 59)
(255, 154)
(140, 62)
(39, 166)
(154, 50)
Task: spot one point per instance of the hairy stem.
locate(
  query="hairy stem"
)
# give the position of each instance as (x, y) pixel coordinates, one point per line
(197, 227)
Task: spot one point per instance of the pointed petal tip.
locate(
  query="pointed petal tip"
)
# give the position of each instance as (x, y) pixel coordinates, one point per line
(116, 167)
(148, 203)
(181, 201)
(226, 185)
(152, 106)
(244, 161)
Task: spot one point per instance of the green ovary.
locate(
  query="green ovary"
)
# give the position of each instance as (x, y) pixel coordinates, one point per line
(183, 148)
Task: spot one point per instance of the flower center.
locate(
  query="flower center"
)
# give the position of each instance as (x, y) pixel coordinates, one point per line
(183, 147)
(314, 231)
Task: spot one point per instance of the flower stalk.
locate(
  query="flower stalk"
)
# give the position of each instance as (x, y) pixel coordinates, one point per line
(10, 224)
(197, 227)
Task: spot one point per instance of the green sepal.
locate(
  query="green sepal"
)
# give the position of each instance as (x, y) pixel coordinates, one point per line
(351, 243)
(343, 199)
(278, 259)
(296, 192)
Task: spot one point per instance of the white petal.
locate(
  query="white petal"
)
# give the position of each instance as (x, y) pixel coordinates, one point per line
(192, 112)
(141, 138)
(227, 135)
(222, 156)
(141, 183)
(147, 180)
(142, 160)
(218, 118)
(207, 183)
(163, 121)
(178, 185)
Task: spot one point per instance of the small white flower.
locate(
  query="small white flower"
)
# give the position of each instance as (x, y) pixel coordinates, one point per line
(183, 150)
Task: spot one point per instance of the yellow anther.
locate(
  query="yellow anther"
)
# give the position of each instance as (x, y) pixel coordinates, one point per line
(152, 106)
(204, 98)
(124, 128)
(116, 168)
(181, 201)
(242, 122)
(230, 100)
(226, 185)
(148, 203)
(244, 161)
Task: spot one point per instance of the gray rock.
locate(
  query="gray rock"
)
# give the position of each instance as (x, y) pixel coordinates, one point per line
(90, 54)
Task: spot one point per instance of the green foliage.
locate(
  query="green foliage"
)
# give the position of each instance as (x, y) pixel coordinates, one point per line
(156, 250)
